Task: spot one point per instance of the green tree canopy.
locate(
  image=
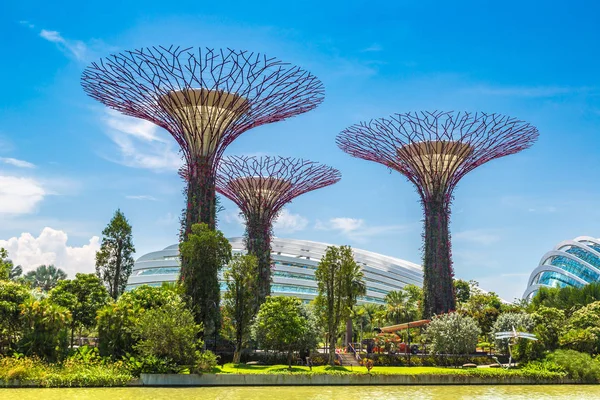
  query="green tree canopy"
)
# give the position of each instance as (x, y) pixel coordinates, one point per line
(284, 324)
(83, 297)
(340, 281)
(203, 253)
(239, 300)
(12, 295)
(452, 333)
(114, 260)
(45, 277)
(117, 321)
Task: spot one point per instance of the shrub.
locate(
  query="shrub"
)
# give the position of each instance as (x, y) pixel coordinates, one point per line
(168, 332)
(584, 340)
(579, 366)
(206, 361)
(149, 365)
(509, 321)
(453, 334)
(44, 330)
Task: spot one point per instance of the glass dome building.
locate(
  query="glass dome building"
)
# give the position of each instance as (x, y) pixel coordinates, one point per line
(294, 265)
(571, 263)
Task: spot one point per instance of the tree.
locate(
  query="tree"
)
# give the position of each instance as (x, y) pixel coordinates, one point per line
(44, 329)
(45, 277)
(83, 297)
(239, 300)
(340, 282)
(204, 252)
(452, 333)
(285, 324)
(12, 295)
(509, 321)
(117, 321)
(168, 332)
(462, 290)
(401, 306)
(5, 265)
(114, 260)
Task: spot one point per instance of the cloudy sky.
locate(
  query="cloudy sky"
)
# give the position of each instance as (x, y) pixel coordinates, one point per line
(67, 162)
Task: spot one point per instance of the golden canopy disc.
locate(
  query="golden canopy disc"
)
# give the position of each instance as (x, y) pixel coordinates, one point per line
(435, 160)
(261, 192)
(204, 115)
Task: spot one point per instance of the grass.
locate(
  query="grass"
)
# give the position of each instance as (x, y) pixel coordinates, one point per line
(411, 371)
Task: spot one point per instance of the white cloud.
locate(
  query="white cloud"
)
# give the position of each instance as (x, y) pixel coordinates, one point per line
(27, 24)
(16, 163)
(478, 236)
(50, 247)
(142, 197)
(140, 145)
(375, 47)
(356, 229)
(73, 48)
(19, 195)
(287, 222)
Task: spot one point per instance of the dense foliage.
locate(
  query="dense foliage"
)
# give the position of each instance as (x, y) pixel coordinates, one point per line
(115, 258)
(44, 277)
(340, 281)
(452, 334)
(240, 298)
(285, 324)
(83, 297)
(203, 253)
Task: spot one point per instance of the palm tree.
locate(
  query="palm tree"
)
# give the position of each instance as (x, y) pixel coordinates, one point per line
(15, 272)
(45, 277)
(358, 287)
(400, 306)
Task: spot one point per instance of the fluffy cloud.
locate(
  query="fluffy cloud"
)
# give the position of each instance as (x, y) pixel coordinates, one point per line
(139, 143)
(288, 223)
(50, 247)
(19, 195)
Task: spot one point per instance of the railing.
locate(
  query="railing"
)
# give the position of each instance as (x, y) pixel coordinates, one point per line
(356, 353)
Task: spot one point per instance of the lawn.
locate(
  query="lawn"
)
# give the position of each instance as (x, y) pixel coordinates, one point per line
(327, 370)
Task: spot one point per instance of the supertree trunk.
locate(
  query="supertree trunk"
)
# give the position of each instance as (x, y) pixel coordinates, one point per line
(437, 259)
(201, 195)
(258, 243)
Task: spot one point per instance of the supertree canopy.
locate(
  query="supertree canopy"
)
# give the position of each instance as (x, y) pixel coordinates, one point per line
(434, 150)
(261, 187)
(205, 98)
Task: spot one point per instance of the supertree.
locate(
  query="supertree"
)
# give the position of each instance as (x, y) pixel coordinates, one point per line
(434, 150)
(261, 187)
(205, 98)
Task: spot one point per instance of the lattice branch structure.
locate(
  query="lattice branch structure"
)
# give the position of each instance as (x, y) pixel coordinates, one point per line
(260, 187)
(434, 150)
(205, 98)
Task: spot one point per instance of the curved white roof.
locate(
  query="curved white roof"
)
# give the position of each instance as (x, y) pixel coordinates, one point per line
(294, 264)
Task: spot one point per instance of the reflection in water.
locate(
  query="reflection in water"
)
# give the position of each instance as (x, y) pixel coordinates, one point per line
(313, 393)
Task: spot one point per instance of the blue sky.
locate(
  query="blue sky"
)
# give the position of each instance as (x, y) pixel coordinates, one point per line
(66, 162)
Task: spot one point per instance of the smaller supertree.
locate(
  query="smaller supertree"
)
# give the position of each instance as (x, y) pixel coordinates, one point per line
(261, 187)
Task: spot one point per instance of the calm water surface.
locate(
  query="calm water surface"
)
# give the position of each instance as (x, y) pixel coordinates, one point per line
(313, 392)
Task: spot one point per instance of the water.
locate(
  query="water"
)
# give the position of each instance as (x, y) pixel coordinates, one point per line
(532, 392)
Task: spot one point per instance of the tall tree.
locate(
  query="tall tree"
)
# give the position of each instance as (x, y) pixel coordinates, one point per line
(340, 282)
(204, 251)
(83, 297)
(5, 265)
(114, 260)
(239, 300)
(285, 324)
(45, 277)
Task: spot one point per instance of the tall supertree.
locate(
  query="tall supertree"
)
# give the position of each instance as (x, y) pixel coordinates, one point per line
(261, 187)
(205, 98)
(434, 150)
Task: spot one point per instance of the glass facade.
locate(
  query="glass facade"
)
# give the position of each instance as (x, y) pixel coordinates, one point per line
(572, 263)
(294, 266)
